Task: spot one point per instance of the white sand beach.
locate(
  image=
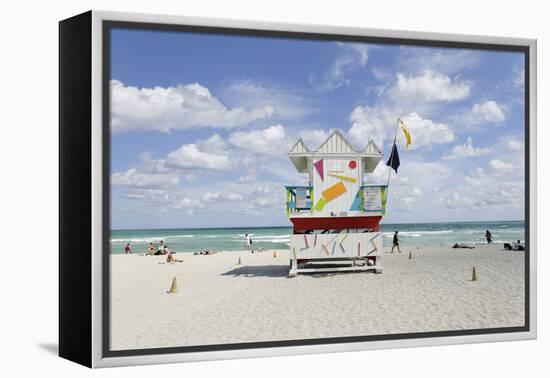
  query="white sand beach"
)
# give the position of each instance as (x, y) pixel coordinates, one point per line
(220, 302)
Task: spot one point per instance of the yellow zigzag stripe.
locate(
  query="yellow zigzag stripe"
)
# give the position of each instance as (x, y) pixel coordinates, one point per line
(345, 178)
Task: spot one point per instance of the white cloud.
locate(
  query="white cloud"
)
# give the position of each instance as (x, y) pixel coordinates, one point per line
(188, 203)
(268, 141)
(147, 194)
(215, 197)
(430, 86)
(381, 74)
(313, 138)
(415, 182)
(353, 56)
(413, 175)
(213, 143)
(447, 61)
(487, 112)
(425, 132)
(133, 178)
(482, 190)
(450, 193)
(266, 196)
(501, 166)
(246, 179)
(466, 150)
(370, 123)
(285, 102)
(514, 145)
(378, 124)
(519, 77)
(246, 152)
(206, 154)
(175, 108)
(384, 76)
(189, 162)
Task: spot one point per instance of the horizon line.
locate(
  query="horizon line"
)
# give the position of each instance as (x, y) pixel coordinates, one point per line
(290, 226)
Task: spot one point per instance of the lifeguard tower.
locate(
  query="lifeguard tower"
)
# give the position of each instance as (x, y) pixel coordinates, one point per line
(336, 218)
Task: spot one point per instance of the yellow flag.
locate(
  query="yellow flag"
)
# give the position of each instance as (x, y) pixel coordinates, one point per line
(406, 132)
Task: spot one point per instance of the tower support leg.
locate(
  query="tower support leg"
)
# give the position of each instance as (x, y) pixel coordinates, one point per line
(293, 272)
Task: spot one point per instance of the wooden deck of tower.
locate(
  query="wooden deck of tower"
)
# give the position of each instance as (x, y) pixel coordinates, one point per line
(336, 218)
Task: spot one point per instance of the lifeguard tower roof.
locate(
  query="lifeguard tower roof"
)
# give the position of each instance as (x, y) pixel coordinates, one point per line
(337, 146)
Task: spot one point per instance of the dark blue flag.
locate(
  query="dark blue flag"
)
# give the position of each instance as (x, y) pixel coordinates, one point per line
(393, 161)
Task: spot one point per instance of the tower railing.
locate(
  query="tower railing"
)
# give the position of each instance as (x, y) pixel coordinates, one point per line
(298, 199)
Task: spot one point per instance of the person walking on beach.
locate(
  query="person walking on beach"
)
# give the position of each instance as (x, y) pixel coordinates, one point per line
(395, 242)
(127, 249)
(489, 237)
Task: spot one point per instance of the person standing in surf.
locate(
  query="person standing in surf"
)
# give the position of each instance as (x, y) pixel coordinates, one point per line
(248, 242)
(489, 237)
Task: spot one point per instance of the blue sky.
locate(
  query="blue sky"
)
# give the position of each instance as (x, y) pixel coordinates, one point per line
(201, 125)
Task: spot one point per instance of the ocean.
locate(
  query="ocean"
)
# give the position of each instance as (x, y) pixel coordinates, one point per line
(232, 239)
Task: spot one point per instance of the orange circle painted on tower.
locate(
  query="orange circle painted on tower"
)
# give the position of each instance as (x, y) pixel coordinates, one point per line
(352, 164)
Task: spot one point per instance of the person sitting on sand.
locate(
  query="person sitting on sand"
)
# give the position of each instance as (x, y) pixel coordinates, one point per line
(517, 246)
(170, 257)
(150, 249)
(160, 249)
(395, 242)
(489, 237)
(127, 249)
(460, 245)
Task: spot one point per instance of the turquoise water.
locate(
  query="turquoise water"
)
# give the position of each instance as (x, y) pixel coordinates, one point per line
(232, 239)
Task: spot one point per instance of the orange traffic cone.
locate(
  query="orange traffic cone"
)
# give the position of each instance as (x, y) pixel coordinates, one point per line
(173, 287)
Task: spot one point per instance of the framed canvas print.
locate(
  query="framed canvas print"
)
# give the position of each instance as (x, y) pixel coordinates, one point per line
(233, 189)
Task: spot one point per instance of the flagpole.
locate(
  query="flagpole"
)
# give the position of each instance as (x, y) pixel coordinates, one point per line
(391, 160)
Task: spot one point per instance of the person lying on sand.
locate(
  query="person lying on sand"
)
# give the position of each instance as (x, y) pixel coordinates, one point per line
(460, 245)
(171, 259)
(204, 252)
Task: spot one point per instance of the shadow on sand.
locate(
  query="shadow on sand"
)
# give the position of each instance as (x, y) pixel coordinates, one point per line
(259, 271)
(51, 348)
(281, 271)
(330, 274)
